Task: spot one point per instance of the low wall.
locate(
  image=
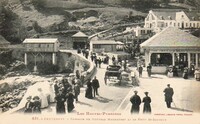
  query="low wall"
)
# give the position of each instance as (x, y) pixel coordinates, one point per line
(88, 75)
(159, 69)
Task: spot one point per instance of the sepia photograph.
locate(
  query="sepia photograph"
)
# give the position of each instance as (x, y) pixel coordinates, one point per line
(100, 61)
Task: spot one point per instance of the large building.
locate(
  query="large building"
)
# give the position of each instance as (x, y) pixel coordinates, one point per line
(171, 46)
(160, 19)
(41, 50)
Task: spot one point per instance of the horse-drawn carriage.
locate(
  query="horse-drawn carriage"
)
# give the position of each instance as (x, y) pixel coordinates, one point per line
(113, 72)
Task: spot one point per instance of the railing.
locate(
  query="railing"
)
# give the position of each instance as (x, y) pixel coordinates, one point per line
(40, 50)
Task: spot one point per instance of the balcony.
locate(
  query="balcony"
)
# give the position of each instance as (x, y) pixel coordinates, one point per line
(39, 49)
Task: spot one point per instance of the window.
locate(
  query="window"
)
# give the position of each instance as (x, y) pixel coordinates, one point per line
(193, 25)
(178, 24)
(190, 24)
(186, 24)
(170, 23)
(174, 24)
(197, 25)
(166, 24)
(161, 59)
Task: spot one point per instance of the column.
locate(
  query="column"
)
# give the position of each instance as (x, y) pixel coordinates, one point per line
(25, 59)
(54, 58)
(173, 59)
(197, 64)
(188, 59)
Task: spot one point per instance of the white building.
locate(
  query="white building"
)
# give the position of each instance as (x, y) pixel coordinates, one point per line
(160, 19)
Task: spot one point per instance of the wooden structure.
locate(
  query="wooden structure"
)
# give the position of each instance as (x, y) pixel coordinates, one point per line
(106, 46)
(80, 40)
(41, 50)
(171, 46)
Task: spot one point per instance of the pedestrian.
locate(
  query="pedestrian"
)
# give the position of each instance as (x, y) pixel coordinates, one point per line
(169, 92)
(149, 67)
(95, 85)
(147, 107)
(88, 93)
(70, 102)
(76, 91)
(56, 86)
(66, 85)
(136, 101)
(105, 79)
(96, 62)
(140, 70)
(185, 73)
(113, 59)
(77, 74)
(60, 102)
(29, 105)
(91, 56)
(36, 105)
(99, 61)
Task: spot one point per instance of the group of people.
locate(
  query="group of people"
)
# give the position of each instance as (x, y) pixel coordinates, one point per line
(140, 70)
(66, 92)
(136, 101)
(33, 106)
(92, 88)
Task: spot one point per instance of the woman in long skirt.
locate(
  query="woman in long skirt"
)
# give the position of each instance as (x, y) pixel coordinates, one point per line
(88, 93)
(147, 101)
(70, 102)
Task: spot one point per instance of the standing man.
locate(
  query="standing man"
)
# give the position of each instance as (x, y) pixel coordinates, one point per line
(140, 71)
(149, 67)
(169, 92)
(95, 85)
(99, 62)
(136, 101)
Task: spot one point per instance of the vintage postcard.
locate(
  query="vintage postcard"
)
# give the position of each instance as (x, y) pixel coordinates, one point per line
(100, 61)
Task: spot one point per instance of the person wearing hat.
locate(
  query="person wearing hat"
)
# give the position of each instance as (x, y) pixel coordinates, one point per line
(95, 85)
(136, 101)
(146, 100)
(169, 92)
(28, 105)
(60, 102)
(88, 93)
(36, 104)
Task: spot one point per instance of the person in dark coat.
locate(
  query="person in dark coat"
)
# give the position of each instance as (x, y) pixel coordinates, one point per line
(99, 61)
(76, 91)
(95, 85)
(140, 71)
(113, 59)
(36, 105)
(70, 101)
(146, 100)
(60, 102)
(96, 62)
(28, 105)
(149, 67)
(56, 87)
(169, 92)
(67, 86)
(88, 93)
(136, 101)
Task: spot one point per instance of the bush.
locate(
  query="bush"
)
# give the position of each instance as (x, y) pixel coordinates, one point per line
(47, 68)
(44, 68)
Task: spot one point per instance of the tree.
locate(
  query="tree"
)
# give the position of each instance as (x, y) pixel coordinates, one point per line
(39, 4)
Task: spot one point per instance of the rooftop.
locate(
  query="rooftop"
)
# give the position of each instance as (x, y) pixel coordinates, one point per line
(107, 42)
(80, 34)
(172, 37)
(40, 40)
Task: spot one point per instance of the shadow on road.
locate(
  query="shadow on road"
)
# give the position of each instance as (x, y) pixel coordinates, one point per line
(102, 99)
(180, 109)
(83, 103)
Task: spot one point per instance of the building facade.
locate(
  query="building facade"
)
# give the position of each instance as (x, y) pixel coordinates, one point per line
(41, 50)
(80, 40)
(171, 46)
(160, 19)
(106, 46)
